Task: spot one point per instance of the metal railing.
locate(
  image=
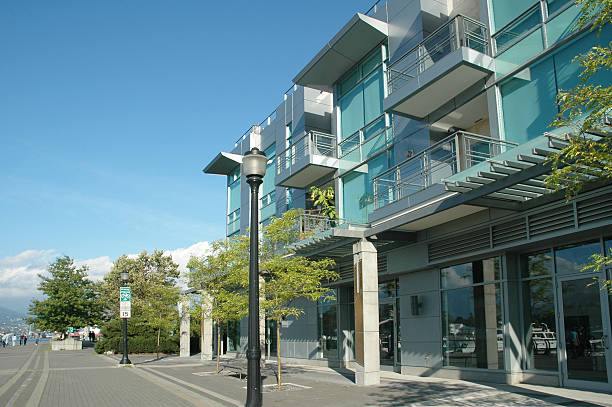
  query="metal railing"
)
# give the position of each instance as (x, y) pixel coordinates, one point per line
(460, 31)
(313, 143)
(456, 153)
(361, 144)
(312, 225)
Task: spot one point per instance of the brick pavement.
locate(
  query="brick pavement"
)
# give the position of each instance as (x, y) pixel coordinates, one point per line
(34, 376)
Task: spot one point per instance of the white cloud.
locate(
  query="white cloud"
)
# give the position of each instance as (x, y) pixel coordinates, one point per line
(19, 274)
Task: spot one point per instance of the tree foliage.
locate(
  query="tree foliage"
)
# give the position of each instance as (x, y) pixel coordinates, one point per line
(289, 277)
(325, 199)
(585, 110)
(153, 282)
(70, 301)
(222, 275)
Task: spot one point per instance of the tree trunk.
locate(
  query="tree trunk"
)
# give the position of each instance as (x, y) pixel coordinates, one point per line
(157, 347)
(278, 352)
(218, 344)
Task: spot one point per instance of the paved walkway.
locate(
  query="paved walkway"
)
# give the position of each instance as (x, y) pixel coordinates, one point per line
(34, 376)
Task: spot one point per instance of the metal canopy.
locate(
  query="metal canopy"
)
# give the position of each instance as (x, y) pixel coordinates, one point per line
(515, 176)
(223, 164)
(352, 43)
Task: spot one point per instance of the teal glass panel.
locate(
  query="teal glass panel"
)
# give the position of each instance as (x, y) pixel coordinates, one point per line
(519, 53)
(349, 144)
(529, 105)
(505, 11)
(371, 63)
(562, 25)
(373, 96)
(374, 144)
(373, 129)
(268, 181)
(556, 5)
(267, 211)
(567, 71)
(351, 112)
(270, 151)
(353, 191)
(348, 81)
(234, 196)
(510, 34)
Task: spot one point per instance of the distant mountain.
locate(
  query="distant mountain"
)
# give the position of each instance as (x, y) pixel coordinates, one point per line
(9, 315)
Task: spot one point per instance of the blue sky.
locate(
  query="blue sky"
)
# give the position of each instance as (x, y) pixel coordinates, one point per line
(110, 109)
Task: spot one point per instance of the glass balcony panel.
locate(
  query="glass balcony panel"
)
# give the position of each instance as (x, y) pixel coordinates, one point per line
(511, 34)
(520, 52)
(562, 25)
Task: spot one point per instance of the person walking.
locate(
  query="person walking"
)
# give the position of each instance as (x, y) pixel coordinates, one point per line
(14, 338)
(25, 339)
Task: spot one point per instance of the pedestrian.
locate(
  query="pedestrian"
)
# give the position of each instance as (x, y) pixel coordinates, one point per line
(3, 340)
(14, 338)
(25, 339)
(20, 339)
(36, 339)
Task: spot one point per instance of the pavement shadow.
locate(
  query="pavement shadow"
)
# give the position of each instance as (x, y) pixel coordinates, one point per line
(407, 393)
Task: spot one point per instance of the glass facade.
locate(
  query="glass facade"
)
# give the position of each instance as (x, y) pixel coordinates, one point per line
(328, 327)
(233, 202)
(267, 203)
(472, 323)
(539, 326)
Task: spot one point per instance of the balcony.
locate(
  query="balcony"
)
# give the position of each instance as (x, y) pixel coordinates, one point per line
(451, 63)
(308, 159)
(421, 177)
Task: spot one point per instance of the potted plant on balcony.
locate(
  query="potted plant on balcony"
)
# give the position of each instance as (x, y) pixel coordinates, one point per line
(325, 199)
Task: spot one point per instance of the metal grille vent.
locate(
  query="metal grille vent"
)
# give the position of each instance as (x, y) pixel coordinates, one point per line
(468, 242)
(551, 221)
(509, 232)
(382, 263)
(345, 270)
(594, 210)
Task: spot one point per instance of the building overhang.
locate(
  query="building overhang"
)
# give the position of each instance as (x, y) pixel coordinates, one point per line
(223, 164)
(306, 170)
(351, 44)
(513, 181)
(444, 81)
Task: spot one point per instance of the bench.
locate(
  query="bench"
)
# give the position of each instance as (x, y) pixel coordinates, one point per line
(238, 365)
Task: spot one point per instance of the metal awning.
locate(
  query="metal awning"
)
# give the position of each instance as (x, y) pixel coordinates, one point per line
(352, 43)
(513, 177)
(223, 164)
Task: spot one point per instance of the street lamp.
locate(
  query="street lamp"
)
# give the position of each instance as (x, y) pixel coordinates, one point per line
(254, 168)
(125, 276)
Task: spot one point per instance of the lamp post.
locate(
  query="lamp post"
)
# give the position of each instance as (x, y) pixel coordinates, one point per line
(254, 168)
(125, 276)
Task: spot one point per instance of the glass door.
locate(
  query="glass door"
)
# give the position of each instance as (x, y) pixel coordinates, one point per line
(386, 333)
(583, 316)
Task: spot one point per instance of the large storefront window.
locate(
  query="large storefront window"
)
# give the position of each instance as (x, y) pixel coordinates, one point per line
(328, 328)
(539, 327)
(472, 322)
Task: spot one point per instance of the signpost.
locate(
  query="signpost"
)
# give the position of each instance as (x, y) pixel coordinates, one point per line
(125, 297)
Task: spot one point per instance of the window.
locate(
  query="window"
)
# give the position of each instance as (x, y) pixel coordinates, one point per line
(328, 327)
(233, 201)
(361, 94)
(267, 203)
(472, 323)
(539, 325)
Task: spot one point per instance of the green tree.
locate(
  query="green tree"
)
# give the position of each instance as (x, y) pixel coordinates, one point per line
(289, 277)
(324, 198)
(585, 110)
(153, 282)
(71, 298)
(221, 276)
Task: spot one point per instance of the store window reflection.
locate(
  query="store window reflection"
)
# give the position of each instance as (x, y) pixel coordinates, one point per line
(539, 327)
(472, 315)
(328, 327)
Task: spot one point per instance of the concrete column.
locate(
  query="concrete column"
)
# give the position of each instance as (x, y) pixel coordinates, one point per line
(184, 307)
(367, 348)
(206, 330)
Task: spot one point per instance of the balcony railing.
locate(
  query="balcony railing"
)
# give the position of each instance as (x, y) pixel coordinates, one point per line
(313, 143)
(366, 141)
(455, 153)
(461, 31)
(312, 225)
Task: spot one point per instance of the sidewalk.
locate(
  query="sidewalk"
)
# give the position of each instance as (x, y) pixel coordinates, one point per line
(34, 376)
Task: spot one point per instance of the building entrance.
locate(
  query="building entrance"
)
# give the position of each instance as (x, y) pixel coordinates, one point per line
(585, 355)
(388, 324)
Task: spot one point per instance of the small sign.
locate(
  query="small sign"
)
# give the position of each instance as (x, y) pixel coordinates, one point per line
(70, 329)
(125, 304)
(125, 309)
(125, 294)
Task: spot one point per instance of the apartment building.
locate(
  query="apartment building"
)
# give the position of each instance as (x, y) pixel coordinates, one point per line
(429, 118)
